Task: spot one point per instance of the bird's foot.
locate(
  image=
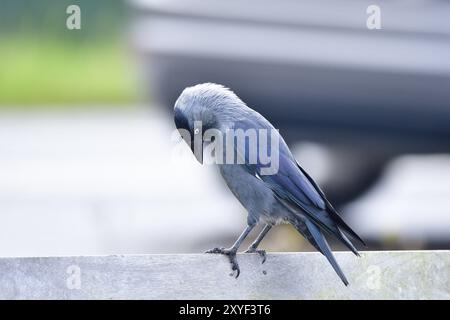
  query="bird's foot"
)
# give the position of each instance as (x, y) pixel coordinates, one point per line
(231, 254)
(262, 253)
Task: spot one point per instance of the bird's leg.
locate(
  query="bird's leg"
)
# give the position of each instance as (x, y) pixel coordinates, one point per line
(253, 247)
(231, 252)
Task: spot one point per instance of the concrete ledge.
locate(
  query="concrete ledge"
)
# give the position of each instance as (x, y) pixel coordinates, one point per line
(377, 275)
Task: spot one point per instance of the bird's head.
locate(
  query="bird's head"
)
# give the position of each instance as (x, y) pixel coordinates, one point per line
(200, 108)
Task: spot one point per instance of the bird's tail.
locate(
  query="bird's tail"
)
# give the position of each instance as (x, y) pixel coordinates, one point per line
(317, 239)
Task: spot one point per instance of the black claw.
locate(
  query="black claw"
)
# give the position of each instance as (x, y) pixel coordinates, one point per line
(231, 256)
(262, 253)
(235, 265)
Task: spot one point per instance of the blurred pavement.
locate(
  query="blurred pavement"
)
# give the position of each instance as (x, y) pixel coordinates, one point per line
(409, 206)
(103, 182)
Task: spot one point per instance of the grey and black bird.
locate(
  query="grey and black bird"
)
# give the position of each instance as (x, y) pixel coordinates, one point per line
(289, 195)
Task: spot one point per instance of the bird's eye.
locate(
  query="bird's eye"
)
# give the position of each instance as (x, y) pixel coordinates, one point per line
(197, 131)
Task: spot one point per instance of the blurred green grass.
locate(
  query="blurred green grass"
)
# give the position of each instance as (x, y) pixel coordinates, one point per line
(43, 64)
(50, 71)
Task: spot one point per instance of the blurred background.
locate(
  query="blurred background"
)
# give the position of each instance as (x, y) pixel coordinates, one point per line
(88, 163)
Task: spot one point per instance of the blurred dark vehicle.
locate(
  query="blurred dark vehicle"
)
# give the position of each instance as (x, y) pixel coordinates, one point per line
(315, 70)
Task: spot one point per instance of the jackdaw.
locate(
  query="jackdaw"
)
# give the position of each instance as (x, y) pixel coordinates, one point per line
(288, 194)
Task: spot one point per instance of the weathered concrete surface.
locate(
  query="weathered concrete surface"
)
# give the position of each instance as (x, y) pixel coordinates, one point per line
(377, 275)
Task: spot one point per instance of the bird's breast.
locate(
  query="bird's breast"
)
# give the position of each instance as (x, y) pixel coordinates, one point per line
(253, 194)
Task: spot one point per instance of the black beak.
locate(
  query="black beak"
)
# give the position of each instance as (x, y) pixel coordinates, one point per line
(196, 134)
